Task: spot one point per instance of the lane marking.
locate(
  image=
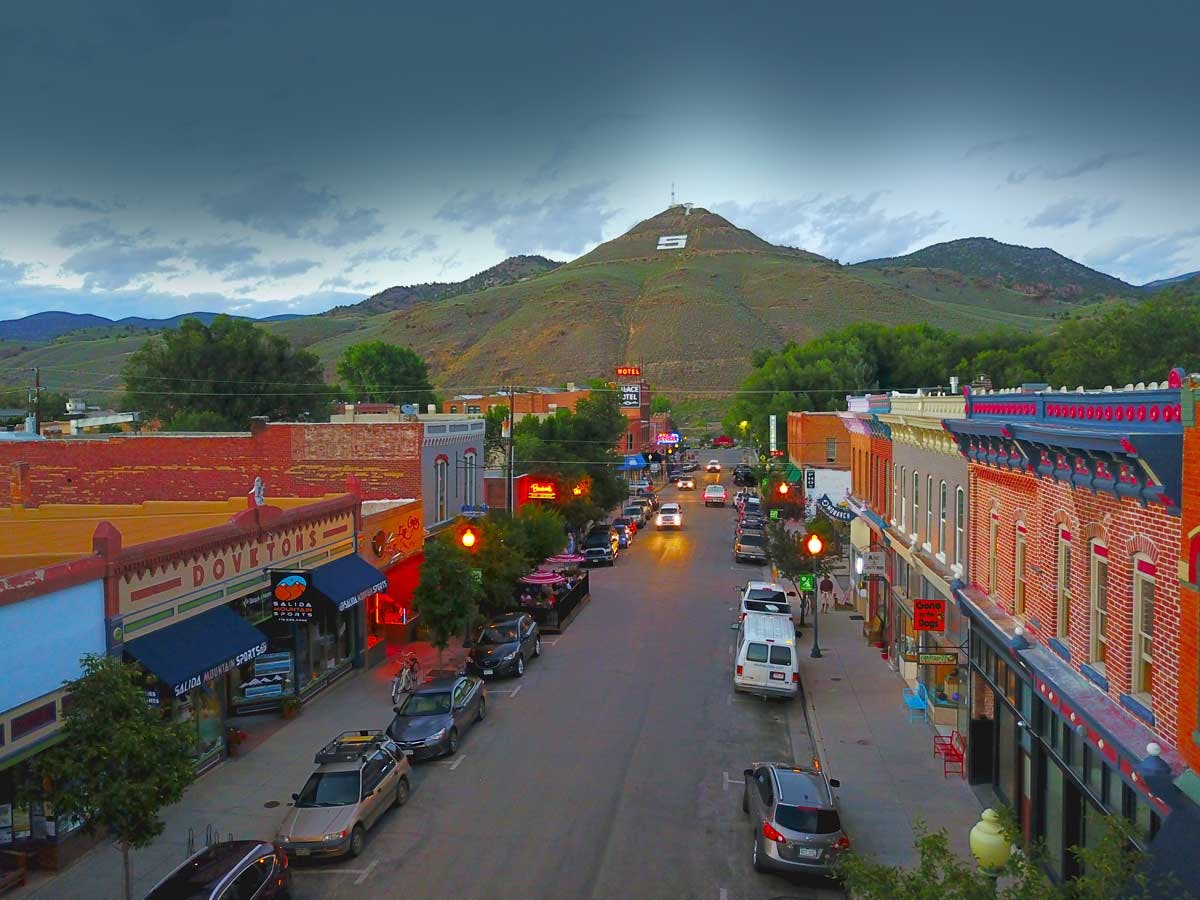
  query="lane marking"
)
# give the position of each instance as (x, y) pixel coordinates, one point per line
(329, 871)
(546, 643)
(724, 894)
(726, 781)
(458, 762)
(516, 690)
(367, 874)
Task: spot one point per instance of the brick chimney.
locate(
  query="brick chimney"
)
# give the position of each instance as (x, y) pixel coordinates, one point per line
(21, 491)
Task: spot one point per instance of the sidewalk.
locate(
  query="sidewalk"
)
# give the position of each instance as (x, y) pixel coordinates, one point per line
(889, 775)
(248, 794)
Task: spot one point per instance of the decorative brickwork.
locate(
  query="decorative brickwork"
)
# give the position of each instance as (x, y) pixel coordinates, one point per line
(818, 440)
(1189, 577)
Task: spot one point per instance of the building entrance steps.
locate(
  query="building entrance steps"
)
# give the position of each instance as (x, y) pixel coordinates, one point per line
(890, 778)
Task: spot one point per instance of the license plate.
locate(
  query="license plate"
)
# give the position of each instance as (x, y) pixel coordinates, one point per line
(487, 671)
(807, 852)
(303, 851)
(778, 676)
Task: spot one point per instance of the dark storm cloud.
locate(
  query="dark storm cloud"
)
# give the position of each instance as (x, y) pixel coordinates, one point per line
(349, 227)
(221, 256)
(54, 201)
(287, 268)
(116, 265)
(1071, 210)
(988, 147)
(275, 203)
(12, 272)
(567, 222)
(412, 244)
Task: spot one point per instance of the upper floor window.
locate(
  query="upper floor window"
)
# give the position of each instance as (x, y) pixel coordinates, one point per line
(470, 496)
(896, 482)
(916, 502)
(960, 518)
(943, 498)
(1143, 626)
(441, 471)
(903, 496)
(1019, 565)
(453, 408)
(830, 450)
(993, 540)
(629, 441)
(1063, 584)
(1098, 589)
(929, 510)
(472, 410)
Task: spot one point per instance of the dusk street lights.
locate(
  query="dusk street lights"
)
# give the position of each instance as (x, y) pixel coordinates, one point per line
(989, 846)
(814, 545)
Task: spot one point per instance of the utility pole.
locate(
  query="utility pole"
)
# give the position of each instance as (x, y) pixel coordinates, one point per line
(37, 400)
(512, 420)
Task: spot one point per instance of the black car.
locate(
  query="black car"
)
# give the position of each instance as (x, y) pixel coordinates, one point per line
(503, 645)
(430, 720)
(691, 466)
(255, 869)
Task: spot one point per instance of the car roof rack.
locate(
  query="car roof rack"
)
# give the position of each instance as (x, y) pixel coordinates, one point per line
(351, 746)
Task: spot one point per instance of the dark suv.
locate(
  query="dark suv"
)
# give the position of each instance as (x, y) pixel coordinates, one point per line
(230, 870)
(795, 818)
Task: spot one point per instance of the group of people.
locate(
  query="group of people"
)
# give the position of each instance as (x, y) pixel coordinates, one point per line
(531, 595)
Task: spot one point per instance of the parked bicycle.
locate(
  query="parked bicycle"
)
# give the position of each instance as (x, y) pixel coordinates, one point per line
(408, 679)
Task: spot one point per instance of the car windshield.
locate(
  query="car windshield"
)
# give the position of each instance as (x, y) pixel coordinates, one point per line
(670, 509)
(426, 705)
(498, 634)
(807, 819)
(751, 540)
(632, 511)
(329, 789)
(196, 878)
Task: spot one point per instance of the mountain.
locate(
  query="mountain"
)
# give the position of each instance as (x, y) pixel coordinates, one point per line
(510, 271)
(1039, 272)
(46, 326)
(1166, 282)
(691, 316)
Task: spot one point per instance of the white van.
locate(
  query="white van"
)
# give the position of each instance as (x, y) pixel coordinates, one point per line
(766, 662)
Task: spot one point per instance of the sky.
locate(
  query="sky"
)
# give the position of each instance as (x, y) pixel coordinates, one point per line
(289, 156)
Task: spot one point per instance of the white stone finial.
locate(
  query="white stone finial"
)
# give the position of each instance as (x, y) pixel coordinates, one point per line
(1153, 749)
(1018, 631)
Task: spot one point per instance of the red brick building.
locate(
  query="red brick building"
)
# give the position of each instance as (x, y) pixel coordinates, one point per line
(524, 404)
(1189, 580)
(1074, 605)
(293, 459)
(818, 440)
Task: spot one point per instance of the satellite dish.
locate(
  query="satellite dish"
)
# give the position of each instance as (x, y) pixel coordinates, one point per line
(409, 409)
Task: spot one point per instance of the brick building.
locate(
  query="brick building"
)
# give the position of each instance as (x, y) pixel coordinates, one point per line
(871, 498)
(1074, 604)
(1187, 723)
(525, 403)
(293, 459)
(818, 440)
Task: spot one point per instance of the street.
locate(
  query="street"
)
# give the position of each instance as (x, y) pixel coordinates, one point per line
(614, 767)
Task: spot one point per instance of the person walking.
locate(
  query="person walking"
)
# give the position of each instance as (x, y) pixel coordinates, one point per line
(826, 588)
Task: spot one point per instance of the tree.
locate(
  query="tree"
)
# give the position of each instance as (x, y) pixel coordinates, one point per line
(542, 530)
(119, 762)
(501, 559)
(232, 368)
(380, 372)
(447, 595)
(493, 434)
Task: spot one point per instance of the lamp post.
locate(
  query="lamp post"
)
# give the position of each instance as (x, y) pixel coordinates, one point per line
(989, 846)
(814, 545)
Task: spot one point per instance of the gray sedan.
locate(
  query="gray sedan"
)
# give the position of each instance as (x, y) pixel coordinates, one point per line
(431, 720)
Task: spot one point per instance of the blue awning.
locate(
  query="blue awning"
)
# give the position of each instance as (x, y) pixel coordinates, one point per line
(198, 649)
(348, 581)
(633, 461)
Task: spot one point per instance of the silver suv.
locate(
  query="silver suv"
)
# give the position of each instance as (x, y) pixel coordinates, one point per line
(360, 775)
(795, 817)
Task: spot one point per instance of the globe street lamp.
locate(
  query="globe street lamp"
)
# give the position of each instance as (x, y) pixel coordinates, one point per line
(990, 846)
(814, 545)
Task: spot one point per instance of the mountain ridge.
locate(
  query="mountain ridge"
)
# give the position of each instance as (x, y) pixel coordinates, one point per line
(51, 324)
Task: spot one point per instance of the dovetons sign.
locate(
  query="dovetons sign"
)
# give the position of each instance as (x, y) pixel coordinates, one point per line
(672, 242)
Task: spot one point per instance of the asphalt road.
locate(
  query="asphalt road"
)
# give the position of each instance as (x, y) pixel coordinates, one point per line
(613, 768)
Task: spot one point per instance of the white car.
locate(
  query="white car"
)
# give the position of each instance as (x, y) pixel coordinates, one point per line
(714, 465)
(714, 495)
(669, 516)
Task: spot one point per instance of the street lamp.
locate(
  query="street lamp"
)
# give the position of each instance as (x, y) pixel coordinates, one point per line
(989, 846)
(814, 545)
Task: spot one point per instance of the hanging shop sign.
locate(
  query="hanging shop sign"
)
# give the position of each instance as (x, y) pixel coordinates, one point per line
(631, 396)
(929, 615)
(543, 490)
(937, 659)
(874, 564)
(291, 598)
(629, 371)
(810, 479)
(834, 511)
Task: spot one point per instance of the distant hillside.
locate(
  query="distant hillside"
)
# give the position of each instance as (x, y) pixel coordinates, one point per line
(46, 326)
(1167, 282)
(510, 271)
(1035, 272)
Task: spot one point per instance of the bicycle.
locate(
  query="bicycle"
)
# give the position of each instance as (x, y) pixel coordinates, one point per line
(408, 678)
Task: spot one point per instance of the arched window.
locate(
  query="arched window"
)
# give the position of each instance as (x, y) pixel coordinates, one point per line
(1020, 559)
(896, 479)
(1143, 625)
(1098, 600)
(441, 470)
(1063, 583)
(470, 496)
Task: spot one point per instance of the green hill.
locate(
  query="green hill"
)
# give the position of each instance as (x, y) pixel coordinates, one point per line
(1039, 273)
(690, 317)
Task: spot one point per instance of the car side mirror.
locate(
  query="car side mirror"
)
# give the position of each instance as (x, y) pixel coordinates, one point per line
(748, 773)
(734, 626)
(295, 796)
(833, 782)
(396, 710)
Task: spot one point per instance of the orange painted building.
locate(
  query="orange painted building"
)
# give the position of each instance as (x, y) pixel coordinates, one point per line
(818, 440)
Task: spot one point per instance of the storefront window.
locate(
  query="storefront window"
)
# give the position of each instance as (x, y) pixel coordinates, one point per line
(323, 644)
(1053, 815)
(256, 608)
(202, 710)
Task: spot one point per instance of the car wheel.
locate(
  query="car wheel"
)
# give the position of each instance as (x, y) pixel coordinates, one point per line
(357, 839)
(452, 742)
(520, 665)
(537, 646)
(403, 789)
(756, 860)
(746, 801)
(482, 714)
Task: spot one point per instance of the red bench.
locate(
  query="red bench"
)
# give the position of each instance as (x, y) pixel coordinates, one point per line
(953, 752)
(942, 741)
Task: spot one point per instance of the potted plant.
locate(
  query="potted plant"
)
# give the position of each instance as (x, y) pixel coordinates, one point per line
(233, 739)
(289, 707)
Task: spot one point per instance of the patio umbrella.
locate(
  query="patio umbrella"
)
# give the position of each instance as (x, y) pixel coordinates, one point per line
(564, 559)
(542, 578)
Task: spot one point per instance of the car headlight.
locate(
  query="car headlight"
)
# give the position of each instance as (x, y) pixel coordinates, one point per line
(508, 656)
(438, 735)
(334, 836)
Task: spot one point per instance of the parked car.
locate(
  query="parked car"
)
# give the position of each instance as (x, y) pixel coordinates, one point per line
(229, 869)
(750, 547)
(624, 536)
(635, 486)
(797, 827)
(630, 522)
(670, 516)
(714, 465)
(714, 495)
(647, 505)
(600, 533)
(767, 597)
(431, 720)
(686, 483)
(636, 511)
(751, 523)
(503, 646)
(691, 466)
(766, 663)
(602, 555)
(360, 775)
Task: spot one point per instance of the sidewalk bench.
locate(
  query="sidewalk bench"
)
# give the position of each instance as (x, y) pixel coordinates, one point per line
(917, 702)
(953, 755)
(942, 741)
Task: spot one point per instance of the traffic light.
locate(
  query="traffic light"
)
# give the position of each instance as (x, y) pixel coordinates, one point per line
(468, 538)
(814, 545)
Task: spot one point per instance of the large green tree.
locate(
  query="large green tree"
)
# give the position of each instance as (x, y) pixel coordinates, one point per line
(231, 369)
(119, 762)
(380, 372)
(447, 596)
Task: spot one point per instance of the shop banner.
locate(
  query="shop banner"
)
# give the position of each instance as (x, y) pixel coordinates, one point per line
(828, 507)
(291, 598)
(929, 615)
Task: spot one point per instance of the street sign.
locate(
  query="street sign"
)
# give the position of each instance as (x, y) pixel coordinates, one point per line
(774, 441)
(477, 574)
(474, 511)
(806, 582)
(810, 479)
(937, 659)
(774, 514)
(929, 615)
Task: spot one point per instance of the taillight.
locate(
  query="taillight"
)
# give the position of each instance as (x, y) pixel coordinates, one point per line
(843, 843)
(771, 834)
(283, 859)
(795, 678)
(739, 670)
